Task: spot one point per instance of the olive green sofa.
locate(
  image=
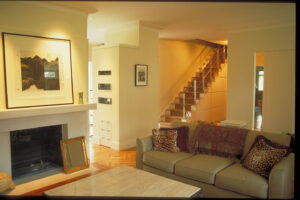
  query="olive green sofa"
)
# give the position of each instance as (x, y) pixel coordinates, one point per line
(220, 177)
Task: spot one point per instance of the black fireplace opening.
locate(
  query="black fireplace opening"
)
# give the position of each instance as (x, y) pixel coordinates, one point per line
(35, 150)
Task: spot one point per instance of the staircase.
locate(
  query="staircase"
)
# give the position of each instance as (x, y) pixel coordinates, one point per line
(183, 105)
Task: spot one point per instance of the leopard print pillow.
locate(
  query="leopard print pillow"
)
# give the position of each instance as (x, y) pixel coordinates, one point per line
(165, 140)
(263, 155)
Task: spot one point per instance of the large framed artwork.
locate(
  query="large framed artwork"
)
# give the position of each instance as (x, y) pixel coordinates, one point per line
(141, 75)
(38, 71)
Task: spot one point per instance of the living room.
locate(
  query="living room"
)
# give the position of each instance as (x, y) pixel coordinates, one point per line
(135, 111)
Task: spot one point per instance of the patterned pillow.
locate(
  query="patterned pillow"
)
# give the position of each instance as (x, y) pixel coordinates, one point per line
(263, 155)
(182, 137)
(6, 182)
(165, 140)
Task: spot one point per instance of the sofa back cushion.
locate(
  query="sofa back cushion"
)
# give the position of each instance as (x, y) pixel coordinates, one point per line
(281, 138)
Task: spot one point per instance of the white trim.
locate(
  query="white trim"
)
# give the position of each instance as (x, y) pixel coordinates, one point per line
(45, 110)
(114, 45)
(261, 28)
(150, 27)
(54, 7)
(115, 145)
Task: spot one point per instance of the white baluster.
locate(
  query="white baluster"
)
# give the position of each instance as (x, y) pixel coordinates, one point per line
(183, 102)
(210, 70)
(203, 84)
(218, 58)
(195, 90)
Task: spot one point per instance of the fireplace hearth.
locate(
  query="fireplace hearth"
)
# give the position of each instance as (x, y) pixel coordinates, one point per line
(35, 151)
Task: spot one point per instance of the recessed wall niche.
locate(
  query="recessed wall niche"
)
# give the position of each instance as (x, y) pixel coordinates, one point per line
(104, 86)
(104, 100)
(107, 72)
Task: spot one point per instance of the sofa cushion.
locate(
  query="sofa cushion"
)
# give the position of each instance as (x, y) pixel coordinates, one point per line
(164, 160)
(201, 167)
(237, 178)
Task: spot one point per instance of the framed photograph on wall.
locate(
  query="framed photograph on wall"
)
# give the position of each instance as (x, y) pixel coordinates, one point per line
(38, 71)
(141, 75)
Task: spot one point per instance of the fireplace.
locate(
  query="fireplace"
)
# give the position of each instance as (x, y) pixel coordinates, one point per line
(35, 151)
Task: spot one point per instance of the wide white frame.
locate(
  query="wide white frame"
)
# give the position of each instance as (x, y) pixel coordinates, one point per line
(16, 44)
(144, 69)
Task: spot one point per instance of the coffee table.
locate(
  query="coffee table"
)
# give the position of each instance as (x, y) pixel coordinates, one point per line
(125, 181)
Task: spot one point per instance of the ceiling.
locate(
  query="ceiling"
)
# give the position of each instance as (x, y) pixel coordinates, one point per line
(211, 21)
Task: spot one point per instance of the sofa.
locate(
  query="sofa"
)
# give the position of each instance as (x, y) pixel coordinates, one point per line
(220, 177)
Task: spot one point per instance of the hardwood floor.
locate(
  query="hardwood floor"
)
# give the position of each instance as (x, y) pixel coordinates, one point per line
(101, 157)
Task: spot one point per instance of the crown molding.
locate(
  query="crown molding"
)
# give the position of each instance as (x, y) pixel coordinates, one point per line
(54, 7)
(262, 28)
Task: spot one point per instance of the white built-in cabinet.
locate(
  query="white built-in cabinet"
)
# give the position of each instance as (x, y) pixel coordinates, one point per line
(104, 63)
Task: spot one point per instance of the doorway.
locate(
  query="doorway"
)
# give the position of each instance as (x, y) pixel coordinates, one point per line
(259, 88)
(90, 97)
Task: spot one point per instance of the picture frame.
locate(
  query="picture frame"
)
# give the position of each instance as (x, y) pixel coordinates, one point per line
(37, 71)
(74, 154)
(141, 75)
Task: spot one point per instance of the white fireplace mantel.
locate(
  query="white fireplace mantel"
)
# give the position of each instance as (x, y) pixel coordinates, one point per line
(46, 110)
(73, 117)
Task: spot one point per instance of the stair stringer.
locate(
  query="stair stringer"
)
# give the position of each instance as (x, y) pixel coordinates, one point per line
(180, 84)
(212, 107)
(176, 114)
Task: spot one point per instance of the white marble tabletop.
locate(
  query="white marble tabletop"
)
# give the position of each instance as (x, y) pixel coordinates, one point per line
(125, 181)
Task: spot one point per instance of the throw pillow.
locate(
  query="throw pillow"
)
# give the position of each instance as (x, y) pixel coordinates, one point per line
(263, 155)
(164, 140)
(6, 182)
(182, 137)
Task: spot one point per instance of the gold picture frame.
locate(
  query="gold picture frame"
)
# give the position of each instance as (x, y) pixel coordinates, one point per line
(74, 154)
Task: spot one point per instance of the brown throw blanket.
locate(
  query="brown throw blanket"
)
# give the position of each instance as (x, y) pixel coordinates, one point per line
(218, 140)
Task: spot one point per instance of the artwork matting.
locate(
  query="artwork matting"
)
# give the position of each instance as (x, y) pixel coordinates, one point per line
(38, 71)
(141, 75)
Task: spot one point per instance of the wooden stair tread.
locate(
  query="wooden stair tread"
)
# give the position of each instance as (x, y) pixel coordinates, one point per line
(209, 71)
(173, 117)
(187, 98)
(187, 104)
(191, 92)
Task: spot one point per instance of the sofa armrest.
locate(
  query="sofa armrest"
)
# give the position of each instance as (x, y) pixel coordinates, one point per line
(142, 145)
(281, 179)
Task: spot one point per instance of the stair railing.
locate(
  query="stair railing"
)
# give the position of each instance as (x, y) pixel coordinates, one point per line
(218, 58)
(195, 90)
(183, 108)
(210, 68)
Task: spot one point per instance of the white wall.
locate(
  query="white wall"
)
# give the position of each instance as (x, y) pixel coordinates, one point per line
(134, 110)
(279, 91)
(106, 117)
(139, 105)
(241, 67)
(43, 19)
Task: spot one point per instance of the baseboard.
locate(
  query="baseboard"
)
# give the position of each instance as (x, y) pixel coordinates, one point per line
(127, 144)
